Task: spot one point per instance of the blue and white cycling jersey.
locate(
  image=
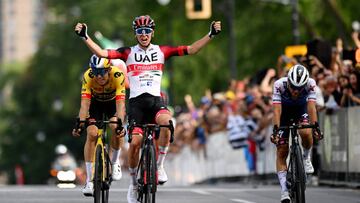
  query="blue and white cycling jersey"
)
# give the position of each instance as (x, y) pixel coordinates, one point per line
(282, 95)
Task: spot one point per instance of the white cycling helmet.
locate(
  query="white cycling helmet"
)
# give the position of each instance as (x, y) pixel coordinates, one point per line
(298, 76)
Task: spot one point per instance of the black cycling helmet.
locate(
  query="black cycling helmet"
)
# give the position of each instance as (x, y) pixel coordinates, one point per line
(143, 21)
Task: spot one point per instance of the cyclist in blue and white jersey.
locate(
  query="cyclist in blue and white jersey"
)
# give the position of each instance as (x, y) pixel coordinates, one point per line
(294, 98)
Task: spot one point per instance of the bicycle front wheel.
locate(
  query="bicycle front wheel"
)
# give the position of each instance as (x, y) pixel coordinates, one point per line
(107, 182)
(151, 171)
(98, 174)
(300, 177)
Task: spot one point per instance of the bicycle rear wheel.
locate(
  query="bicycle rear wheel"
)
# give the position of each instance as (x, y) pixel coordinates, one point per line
(300, 177)
(151, 170)
(98, 174)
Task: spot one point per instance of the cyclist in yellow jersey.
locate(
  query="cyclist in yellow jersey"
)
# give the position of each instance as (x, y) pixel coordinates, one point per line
(103, 92)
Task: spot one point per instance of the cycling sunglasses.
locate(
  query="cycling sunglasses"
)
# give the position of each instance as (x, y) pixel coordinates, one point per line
(293, 87)
(99, 71)
(143, 30)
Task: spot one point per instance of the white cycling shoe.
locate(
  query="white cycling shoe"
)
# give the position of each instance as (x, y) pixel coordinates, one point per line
(116, 172)
(162, 177)
(132, 194)
(285, 198)
(88, 189)
(308, 166)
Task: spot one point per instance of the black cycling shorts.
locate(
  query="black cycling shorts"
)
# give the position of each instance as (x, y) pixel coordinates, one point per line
(100, 108)
(296, 113)
(143, 108)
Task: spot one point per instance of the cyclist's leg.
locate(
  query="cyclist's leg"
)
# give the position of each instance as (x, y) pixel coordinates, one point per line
(306, 135)
(306, 142)
(162, 118)
(116, 142)
(282, 151)
(135, 114)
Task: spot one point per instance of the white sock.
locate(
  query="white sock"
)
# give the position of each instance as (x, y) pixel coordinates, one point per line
(133, 176)
(162, 154)
(88, 171)
(282, 180)
(115, 156)
(306, 154)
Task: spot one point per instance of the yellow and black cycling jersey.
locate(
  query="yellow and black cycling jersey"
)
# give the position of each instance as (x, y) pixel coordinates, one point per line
(113, 89)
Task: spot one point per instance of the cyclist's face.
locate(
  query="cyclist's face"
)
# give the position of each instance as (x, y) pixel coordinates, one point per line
(102, 79)
(294, 92)
(143, 36)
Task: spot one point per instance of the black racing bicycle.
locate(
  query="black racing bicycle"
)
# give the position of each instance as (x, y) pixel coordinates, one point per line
(296, 176)
(102, 175)
(147, 167)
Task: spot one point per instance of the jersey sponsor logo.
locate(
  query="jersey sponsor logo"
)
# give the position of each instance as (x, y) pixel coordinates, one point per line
(142, 67)
(117, 74)
(91, 75)
(145, 58)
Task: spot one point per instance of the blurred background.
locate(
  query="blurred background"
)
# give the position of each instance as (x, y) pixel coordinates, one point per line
(42, 61)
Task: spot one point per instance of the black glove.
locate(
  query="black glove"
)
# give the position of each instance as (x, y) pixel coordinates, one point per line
(83, 32)
(318, 135)
(274, 138)
(213, 31)
(119, 127)
(79, 125)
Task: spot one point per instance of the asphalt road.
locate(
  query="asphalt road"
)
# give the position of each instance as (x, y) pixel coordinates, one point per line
(212, 193)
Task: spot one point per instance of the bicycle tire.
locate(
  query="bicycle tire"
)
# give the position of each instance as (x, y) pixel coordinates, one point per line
(152, 172)
(151, 184)
(105, 184)
(98, 174)
(300, 176)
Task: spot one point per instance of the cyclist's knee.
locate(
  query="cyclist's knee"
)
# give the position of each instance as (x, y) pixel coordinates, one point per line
(92, 132)
(136, 140)
(163, 118)
(113, 125)
(282, 151)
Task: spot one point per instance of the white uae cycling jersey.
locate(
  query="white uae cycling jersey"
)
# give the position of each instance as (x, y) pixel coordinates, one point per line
(145, 67)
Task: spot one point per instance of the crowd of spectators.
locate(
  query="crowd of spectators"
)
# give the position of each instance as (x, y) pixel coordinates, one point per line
(244, 110)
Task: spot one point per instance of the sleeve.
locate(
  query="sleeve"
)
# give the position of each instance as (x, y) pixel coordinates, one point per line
(276, 97)
(119, 78)
(86, 85)
(312, 92)
(121, 53)
(174, 51)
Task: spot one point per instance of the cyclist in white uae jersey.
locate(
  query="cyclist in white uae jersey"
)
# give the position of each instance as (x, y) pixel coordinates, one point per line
(294, 98)
(145, 63)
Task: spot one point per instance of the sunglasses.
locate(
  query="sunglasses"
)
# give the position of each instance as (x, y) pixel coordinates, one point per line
(144, 30)
(99, 71)
(293, 87)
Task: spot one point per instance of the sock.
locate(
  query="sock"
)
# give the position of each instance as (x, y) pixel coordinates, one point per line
(162, 154)
(306, 154)
(115, 156)
(133, 175)
(282, 180)
(88, 171)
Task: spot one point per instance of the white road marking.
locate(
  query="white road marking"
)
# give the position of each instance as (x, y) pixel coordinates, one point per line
(200, 191)
(241, 201)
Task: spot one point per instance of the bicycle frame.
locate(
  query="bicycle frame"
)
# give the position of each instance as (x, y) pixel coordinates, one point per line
(296, 177)
(147, 167)
(101, 187)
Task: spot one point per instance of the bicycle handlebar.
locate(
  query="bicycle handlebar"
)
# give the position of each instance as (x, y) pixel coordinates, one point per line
(298, 126)
(154, 127)
(101, 122)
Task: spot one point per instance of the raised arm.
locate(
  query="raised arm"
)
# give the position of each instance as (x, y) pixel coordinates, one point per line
(215, 28)
(81, 30)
